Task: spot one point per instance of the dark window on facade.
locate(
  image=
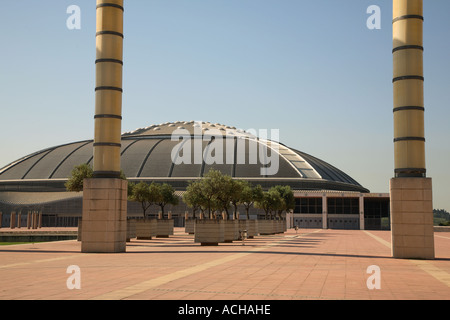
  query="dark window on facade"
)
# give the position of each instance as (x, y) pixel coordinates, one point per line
(343, 205)
(376, 214)
(308, 205)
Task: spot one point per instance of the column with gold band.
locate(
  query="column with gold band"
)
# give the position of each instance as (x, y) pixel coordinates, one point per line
(108, 88)
(104, 219)
(408, 80)
(411, 203)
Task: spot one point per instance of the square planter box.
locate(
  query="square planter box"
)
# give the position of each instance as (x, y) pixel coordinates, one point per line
(231, 230)
(145, 229)
(131, 229)
(209, 232)
(266, 227)
(164, 228)
(252, 226)
(189, 226)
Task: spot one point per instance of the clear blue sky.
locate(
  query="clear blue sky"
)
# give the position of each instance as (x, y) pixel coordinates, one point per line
(309, 68)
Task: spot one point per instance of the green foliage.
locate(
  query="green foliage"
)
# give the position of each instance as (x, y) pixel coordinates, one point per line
(164, 195)
(271, 201)
(152, 194)
(441, 217)
(193, 197)
(79, 173)
(250, 195)
(218, 192)
(287, 196)
(140, 193)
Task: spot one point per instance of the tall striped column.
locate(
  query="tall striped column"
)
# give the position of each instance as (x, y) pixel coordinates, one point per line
(105, 195)
(408, 80)
(412, 230)
(108, 89)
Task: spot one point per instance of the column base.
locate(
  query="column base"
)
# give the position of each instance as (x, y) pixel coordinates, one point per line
(104, 216)
(412, 229)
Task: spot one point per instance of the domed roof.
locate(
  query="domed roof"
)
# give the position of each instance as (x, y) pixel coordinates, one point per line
(186, 150)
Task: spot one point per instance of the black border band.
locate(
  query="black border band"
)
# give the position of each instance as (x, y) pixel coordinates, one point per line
(412, 46)
(410, 172)
(111, 5)
(408, 16)
(408, 78)
(107, 116)
(107, 144)
(409, 139)
(114, 33)
(109, 88)
(109, 60)
(409, 108)
(106, 174)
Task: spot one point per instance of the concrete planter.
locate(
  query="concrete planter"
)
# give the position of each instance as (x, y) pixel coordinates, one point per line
(279, 226)
(189, 226)
(164, 228)
(145, 229)
(131, 229)
(209, 232)
(231, 230)
(266, 227)
(252, 227)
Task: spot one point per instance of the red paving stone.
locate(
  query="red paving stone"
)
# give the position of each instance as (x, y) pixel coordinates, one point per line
(308, 264)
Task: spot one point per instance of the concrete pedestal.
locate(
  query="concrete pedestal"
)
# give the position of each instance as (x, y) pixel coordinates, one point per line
(104, 216)
(412, 218)
(164, 228)
(145, 229)
(209, 232)
(131, 229)
(189, 226)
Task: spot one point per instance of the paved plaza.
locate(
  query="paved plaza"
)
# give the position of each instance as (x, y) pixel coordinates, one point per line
(306, 264)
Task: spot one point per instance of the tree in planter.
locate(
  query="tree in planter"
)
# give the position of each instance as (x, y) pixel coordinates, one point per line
(193, 197)
(79, 173)
(209, 188)
(141, 193)
(237, 187)
(270, 201)
(250, 195)
(288, 199)
(165, 195)
(226, 194)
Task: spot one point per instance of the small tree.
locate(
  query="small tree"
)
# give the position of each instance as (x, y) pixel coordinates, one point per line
(270, 201)
(225, 194)
(288, 199)
(78, 174)
(81, 172)
(166, 196)
(250, 195)
(193, 197)
(141, 193)
(237, 186)
(210, 188)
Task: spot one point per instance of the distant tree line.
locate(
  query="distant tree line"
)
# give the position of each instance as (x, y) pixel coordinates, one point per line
(215, 192)
(441, 217)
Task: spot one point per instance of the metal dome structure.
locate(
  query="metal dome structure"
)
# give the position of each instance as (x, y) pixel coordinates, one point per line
(155, 153)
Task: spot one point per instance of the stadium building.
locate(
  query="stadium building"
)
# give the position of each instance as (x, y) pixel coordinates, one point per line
(179, 152)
